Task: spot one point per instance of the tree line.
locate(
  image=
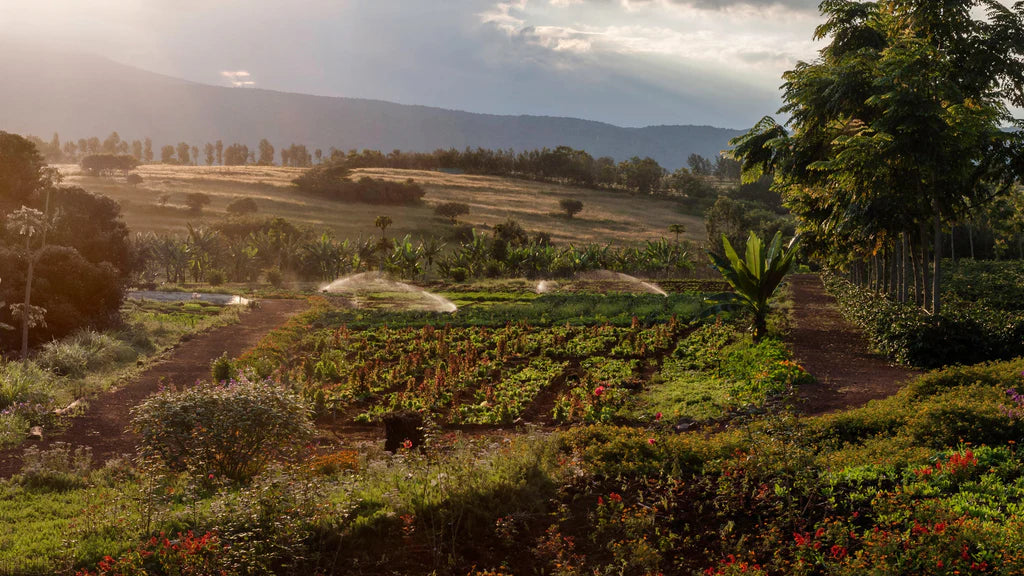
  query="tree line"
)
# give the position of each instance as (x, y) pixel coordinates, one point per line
(561, 164)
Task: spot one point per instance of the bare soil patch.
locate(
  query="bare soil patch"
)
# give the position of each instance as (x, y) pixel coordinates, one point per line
(836, 353)
(103, 425)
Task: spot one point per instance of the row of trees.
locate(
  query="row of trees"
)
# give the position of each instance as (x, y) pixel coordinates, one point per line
(896, 134)
(561, 164)
(184, 153)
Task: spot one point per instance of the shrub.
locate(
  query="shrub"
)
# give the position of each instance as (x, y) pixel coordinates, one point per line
(215, 277)
(186, 554)
(222, 369)
(85, 351)
(275, 278)
(570, 206)
(451, 210)
(242, 206)
(231, 431)
(59, 468)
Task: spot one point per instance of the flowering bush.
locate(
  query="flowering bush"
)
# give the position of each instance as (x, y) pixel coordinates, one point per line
(231, 430)
(184, 555)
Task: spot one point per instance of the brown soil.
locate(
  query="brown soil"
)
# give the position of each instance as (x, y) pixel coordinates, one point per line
(836, 353)
(103, 425)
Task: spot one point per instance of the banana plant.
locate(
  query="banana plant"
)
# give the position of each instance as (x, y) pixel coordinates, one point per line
(754, 278)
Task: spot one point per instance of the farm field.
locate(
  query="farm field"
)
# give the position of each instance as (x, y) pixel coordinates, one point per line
(508, 359)
(607, 216)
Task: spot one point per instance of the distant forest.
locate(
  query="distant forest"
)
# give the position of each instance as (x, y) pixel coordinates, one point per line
(562, 164)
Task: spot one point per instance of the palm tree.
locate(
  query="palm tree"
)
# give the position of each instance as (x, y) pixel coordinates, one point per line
(677, 229)
(430, 249)
(754, 278)
(382, 222)
(200, 246)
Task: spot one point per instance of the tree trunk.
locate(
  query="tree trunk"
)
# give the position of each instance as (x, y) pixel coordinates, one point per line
(903, 268)
(25, 316)
(937, 265)
(924, 266)
(970, 238)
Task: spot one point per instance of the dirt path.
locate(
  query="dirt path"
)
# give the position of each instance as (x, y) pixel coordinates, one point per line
(103, 425)
(836, 353)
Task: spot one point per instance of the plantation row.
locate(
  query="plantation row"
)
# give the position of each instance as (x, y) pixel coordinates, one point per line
(983, 318)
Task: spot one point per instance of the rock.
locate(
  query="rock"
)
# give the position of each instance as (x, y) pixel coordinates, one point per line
(685, 424)
(35, 433)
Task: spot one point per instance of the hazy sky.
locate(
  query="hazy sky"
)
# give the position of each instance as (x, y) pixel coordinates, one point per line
(628, 62)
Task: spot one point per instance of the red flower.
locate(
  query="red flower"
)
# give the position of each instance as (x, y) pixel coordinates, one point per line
(651, 441)
(615, 497)
(657, 416)
(407, 444)
(599, 390)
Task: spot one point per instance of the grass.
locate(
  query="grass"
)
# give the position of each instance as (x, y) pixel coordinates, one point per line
(606, 217)
(89, 362)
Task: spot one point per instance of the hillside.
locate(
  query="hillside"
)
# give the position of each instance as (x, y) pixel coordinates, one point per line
(83, 96)
(607, 216)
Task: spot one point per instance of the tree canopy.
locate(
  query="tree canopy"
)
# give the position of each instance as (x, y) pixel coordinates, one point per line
(897, 126)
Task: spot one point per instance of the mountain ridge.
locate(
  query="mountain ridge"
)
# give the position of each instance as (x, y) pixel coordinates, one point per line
(79, 96)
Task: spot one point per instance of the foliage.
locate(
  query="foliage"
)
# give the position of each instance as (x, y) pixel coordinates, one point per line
(230, 430)
(242, 206)
(331, 181)
(451, 210)
(755, 278)
(970, 330)
(570, 206)
(57, 468)
(104, 164)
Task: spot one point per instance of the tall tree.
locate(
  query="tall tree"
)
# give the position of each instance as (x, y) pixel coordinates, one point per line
(266, 150)
(208, 150)
(220, 152)
(896, 127)
(183, 150)
(167, 154)
(147, 151)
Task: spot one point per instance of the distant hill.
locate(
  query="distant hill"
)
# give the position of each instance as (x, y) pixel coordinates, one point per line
(81, 96)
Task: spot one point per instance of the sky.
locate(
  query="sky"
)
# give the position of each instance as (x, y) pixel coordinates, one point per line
(626, 62)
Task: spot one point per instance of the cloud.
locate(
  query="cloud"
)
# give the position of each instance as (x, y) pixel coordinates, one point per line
(810, 6)
(738, 42)
(238, 78)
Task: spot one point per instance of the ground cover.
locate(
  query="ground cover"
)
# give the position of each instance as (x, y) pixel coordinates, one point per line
(929, 481)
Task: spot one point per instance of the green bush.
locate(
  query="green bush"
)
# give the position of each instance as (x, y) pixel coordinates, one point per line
(230, 431)
(85, 351)
(222, 368)
(216, 277)
(965, 333)
(275, 278)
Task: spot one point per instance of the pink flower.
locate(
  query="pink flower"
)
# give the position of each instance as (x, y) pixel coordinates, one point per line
(651, 441)
(210, 476)
(599, 390)
(657, 416)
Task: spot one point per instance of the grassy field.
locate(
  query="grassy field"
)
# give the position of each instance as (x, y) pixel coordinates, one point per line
(606, 217)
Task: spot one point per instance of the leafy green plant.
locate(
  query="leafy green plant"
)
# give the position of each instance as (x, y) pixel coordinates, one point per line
(231, 431)
(754, 278)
